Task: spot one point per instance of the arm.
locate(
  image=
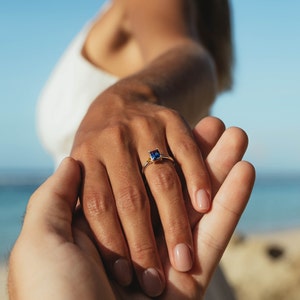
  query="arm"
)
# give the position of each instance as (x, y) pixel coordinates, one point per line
(177, 71)
(183, 79)
(134, 116)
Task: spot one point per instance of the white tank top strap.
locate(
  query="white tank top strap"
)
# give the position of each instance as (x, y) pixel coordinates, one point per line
(71, 88)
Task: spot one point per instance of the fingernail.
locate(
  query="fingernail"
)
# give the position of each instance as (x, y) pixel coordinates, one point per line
(122, 271)
(203, 200)
(182, 258)
(152, 283)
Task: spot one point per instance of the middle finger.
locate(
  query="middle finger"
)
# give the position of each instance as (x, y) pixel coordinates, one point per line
(134, 212)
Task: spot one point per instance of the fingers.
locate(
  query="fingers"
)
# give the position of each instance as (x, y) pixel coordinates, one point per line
(188, 156)
(100, 210)
(166, 189)
(117, 208)
(215, 229)
(229, 149)
(118, 192)
(134, 212)
(53, 202)
(207, 132)
(225, 149)
(221, 148)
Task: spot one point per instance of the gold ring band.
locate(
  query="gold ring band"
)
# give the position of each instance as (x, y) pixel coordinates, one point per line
(154, 157)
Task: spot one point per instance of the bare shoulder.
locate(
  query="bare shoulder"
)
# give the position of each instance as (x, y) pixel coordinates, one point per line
(133, 32)
(108, 44)
(159, 20)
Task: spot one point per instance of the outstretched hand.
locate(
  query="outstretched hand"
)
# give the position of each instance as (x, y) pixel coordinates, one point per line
(54, 259)
(232, 182)
(112, 145)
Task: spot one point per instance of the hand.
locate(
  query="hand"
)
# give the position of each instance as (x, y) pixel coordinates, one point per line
(52, 259)
(112, 144)
(232, 182)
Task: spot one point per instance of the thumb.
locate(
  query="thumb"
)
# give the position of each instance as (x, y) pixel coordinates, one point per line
(54, 201)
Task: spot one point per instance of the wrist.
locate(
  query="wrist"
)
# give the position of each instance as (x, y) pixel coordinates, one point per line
(133, 88)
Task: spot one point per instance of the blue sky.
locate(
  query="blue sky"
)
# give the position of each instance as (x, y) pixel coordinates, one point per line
(265, 100)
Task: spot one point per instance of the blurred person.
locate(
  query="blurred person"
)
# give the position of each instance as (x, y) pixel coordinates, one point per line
(122, 101)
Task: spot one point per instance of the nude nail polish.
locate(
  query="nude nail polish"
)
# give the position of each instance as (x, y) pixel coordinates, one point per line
(203, 200)
(152, 283)
(182, 258)
(122, 271)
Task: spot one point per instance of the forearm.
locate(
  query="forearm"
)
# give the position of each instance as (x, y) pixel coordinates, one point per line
(183, 78)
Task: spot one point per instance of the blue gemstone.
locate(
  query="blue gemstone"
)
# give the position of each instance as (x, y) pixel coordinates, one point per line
(154, 155)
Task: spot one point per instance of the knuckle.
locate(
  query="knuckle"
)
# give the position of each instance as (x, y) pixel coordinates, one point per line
(146, 125)
(96, 205)
(130, 200)
(165, 178)
(188, 145)
(114, 133)
(176, 227)
(86, 143)
(235, 215)
(170, 114)
(82, 150)
(142, 251)
(211, 241)
(142, 121)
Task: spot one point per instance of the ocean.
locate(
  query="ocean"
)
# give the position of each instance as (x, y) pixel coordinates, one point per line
(274, 205)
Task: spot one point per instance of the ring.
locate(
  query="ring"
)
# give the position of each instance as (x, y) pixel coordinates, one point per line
(154, 157)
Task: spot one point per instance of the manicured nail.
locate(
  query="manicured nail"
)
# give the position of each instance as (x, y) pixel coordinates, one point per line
(122, 272)
(182, 258)
(152, 283)
(203, 200)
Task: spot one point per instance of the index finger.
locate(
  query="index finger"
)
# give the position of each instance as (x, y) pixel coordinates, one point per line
(189, 158)
(207, 132)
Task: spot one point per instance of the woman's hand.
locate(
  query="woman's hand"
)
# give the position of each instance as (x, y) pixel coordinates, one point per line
(160, 62)
(54, 259)
(112, 145)
(232, 182)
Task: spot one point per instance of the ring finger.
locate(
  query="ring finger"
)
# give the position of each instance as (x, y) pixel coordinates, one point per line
(165, 187)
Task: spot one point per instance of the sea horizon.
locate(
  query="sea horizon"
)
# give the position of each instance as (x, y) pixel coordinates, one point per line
(274, 204)
(24, 176)
(19, 175)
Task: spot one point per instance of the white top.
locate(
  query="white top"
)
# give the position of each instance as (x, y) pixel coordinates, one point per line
(71, 88)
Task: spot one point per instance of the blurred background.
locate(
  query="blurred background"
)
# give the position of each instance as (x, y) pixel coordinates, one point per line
(265, 102)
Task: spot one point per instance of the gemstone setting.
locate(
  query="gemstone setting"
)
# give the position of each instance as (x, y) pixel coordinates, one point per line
(155, 155)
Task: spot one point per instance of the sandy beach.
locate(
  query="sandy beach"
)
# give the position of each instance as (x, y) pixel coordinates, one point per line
(3, 280)
(264, 267)
(258, 267)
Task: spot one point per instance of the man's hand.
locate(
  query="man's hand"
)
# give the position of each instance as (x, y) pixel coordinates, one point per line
(52, 260)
